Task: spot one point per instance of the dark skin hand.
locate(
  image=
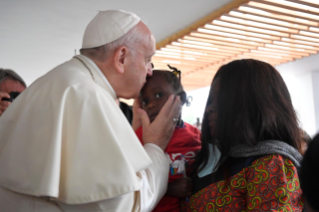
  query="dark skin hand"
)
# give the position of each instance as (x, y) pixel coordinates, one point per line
(180, 188)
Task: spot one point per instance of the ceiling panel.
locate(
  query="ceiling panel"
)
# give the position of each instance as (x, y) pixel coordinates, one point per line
(274, 31)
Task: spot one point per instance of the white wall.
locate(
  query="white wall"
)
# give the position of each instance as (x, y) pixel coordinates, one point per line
(315, 84)
(302, 79)
(197, 107)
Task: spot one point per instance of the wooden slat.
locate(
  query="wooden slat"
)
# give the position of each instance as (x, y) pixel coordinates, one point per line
(200, 23)
(231, 44)
(282, 10)
(309, 34)
(277, 15)
(306, 2)
(266, 19)
(250, 29)
(296, 50)
(197, 57)
(231, 19)
(269, 49)
(300, 41)
(233, 35)
(216, 46)
(290, 7)
(305, 38)
(226, 39)
(280, 43)
(241, 32)
(216, 53)
(183, 61)
(273, 31)
(276, 54)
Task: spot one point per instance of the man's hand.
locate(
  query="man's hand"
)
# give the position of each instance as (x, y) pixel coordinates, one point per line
(4, 104)
(180, 188)
(160, 131)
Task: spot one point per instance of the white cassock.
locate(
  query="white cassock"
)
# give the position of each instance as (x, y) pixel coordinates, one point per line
(66, 146)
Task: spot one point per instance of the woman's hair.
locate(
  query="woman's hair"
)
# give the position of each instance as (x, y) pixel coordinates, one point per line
(171, 79)
(254, 105)
(309, 173)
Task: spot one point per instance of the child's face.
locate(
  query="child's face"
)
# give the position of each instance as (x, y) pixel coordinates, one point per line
(154, 95)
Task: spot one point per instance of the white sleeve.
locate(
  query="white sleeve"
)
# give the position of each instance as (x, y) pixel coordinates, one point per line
(154, 179)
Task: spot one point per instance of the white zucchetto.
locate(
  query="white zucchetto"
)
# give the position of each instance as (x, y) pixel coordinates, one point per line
(108, 26)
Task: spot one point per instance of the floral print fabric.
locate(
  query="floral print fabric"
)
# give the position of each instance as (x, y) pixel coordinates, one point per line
(270, 183)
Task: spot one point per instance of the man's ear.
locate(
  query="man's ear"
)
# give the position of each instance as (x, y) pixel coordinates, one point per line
(120, 58)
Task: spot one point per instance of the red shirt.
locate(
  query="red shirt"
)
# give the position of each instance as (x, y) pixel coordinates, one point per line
(186, 141)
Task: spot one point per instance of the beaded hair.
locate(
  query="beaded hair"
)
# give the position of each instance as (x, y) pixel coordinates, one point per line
(173, 78)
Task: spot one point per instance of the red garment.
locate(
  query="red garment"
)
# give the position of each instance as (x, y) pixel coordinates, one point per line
(271, 183)
(186, 141)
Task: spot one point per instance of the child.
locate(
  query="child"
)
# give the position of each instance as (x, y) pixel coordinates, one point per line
(184, 143)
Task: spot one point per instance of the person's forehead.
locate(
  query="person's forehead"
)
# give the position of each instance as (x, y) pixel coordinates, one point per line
(10, 85)
(157, 82)
(150, 46)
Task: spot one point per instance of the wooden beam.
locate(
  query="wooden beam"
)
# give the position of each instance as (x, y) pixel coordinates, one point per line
(200, 23)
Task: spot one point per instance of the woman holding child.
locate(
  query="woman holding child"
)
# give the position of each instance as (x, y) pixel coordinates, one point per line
(250, 144)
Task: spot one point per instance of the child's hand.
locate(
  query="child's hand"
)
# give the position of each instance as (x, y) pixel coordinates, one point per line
(180, 188)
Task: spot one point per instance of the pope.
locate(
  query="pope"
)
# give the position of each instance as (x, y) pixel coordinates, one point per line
(65, 144)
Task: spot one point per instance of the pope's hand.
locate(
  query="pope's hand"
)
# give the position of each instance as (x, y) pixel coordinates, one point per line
(4, 104)
(160, 131)
(136, 122)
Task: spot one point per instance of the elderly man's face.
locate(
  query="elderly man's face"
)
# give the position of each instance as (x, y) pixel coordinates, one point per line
(140, 66)
(10, 85)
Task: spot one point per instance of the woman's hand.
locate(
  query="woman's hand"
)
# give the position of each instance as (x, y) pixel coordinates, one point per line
(180, 188)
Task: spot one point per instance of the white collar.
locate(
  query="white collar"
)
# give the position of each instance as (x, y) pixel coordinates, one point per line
(100, 74)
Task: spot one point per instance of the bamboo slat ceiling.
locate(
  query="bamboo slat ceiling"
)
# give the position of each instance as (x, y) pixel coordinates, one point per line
(275, 31)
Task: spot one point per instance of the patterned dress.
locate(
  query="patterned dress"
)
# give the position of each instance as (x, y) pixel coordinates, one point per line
(268, 183)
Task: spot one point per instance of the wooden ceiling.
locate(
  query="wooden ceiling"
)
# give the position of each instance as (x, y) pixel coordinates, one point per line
(274, 31)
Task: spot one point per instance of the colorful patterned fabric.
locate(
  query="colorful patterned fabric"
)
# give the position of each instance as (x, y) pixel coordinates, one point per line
(270, 183)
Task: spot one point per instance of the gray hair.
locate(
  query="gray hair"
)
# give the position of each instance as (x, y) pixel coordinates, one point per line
(9, 74)
(131, 39)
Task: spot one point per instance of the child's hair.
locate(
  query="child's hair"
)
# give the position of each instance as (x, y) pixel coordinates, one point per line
(173, 80)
